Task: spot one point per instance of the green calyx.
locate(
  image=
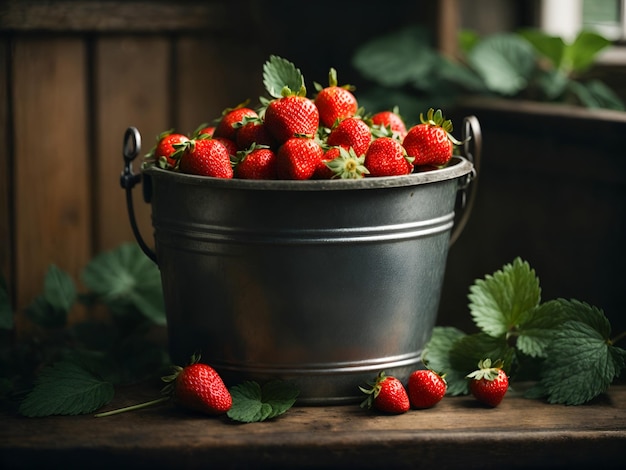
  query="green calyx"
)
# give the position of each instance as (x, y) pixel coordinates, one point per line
(348, 165)
(436, 118)
(486, 370)
(373, 390)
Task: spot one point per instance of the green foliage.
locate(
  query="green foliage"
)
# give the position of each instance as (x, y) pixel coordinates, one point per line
(126, 279)
(66, 388)
(564, 346)
(51, 370)
(253, 403)
(528, 64)
(278, 74)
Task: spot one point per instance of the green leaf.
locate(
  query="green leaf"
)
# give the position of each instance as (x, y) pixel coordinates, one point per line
(550, 47)
(6, 310)
(43, 314)
(538, 328)
(595, 94)
(437, 356)
(251, 403)
(59, 289)
(553, 83)
(581, 54)
(126, 278)
(65, 388)
(279, 73)
(504, 61)
(402, 57)
(499, 301)
(582, 364)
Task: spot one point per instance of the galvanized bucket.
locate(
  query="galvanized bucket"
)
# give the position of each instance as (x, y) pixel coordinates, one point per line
(323, 283)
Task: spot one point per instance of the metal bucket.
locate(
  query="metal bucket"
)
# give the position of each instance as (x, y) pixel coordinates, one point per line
(322, 283)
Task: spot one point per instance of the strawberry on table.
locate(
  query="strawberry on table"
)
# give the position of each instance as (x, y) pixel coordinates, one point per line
(386, 394)
(386, 157)
(489, 382)
(426, 388)
(334, 102)
(431, 142)
(199, 387)
(206, 157)
(298, 158)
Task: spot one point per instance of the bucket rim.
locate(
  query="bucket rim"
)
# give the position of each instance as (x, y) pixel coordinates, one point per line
(456, 168)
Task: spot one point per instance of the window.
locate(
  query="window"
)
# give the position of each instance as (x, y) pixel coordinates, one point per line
(566, 18)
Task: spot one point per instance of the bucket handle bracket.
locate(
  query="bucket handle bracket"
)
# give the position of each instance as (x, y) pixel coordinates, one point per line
(129, 179)
(471, 149)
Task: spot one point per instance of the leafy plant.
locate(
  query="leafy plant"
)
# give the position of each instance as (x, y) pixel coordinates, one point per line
(564, 347)
(405, 69)
(71, 368)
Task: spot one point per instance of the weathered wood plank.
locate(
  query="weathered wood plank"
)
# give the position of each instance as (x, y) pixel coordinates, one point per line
(53, 223)
(6, 238)
(132, 89)
(204, 89)
(117, 16)
(457, 433)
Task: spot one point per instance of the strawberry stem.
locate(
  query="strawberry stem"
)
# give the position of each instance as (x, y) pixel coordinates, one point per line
(133, 407)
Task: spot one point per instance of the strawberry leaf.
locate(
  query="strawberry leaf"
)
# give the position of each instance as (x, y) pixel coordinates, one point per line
(582, 364)
(537, 329)
(126, 277)
(66, 388)
(436, 356)
(279, 73)
(251, 403)
(499, 302)
(59, 289)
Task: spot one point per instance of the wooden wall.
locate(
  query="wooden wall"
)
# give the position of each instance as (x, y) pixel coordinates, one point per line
(75, 74)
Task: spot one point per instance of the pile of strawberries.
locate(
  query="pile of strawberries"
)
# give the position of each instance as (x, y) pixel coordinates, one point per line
(290, 136)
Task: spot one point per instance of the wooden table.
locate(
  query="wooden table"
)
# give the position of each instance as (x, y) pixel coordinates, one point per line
(457, 433)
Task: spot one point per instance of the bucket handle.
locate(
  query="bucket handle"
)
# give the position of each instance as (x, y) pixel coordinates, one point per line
(471, 149)
(128, 180)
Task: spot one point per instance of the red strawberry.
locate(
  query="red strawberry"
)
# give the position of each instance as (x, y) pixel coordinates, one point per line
(387, 157)
(164, 152)
(203, 131)
(199, 387)
(392, 121)
(291, 115)
(387, 394)
(298, 158)
(322, 171)
(430, 143)
(227, 127)
(230, 145)
(206, 157)
(351, 132)
(253, 131)
(489, 383)
(257, 163)
(335, 102)
(426, 388)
